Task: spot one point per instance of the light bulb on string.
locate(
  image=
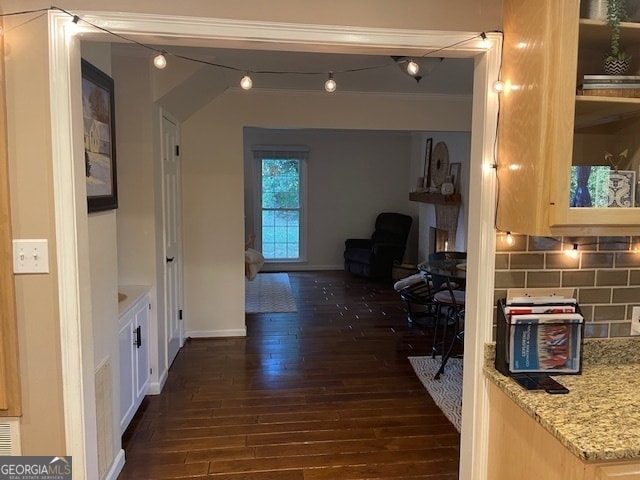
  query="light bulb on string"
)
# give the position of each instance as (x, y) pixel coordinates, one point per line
(572, 253)
(485, 40)
(509, 239)
(73, 27)
(330, 85)
(246, 83)
(160, 61)
(412, 68)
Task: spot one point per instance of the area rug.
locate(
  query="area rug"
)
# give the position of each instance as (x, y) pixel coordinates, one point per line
(447, 390)
(269, 293)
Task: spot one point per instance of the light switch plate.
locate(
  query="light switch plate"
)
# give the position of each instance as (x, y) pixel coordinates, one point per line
(30, 256)
(635, 321)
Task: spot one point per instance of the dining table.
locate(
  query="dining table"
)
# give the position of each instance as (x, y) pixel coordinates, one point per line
(449, 274)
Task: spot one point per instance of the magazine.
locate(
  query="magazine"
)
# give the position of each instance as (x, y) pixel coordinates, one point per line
(525, 309)
(542, 300)
(546, 342)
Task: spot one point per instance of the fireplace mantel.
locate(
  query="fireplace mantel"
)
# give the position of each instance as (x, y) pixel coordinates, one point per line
(435, 198)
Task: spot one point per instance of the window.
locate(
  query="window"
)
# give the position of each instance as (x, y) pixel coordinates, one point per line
(282, 187)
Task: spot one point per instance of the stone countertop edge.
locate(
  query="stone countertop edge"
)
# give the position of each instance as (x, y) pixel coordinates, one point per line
(599, 419)
(133, 293)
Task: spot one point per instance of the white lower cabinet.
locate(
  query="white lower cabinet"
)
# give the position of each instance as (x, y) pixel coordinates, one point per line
(133, 341)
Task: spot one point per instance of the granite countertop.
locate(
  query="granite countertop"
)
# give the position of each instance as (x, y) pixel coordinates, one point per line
(599, 419)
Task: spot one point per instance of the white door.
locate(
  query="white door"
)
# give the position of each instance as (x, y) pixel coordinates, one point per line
(172, 196)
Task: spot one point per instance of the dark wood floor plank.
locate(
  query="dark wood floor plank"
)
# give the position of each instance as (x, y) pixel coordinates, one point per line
(355, 446)
(381, 459)
(325, 393)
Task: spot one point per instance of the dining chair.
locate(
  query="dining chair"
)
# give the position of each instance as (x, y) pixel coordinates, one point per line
(450, 299)
(417, 290)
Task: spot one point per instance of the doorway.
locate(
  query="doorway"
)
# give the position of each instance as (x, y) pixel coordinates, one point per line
(479, 280)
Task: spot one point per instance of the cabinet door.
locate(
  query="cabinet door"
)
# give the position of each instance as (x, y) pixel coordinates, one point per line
(603, 173)
(127, 388)
(550, 139)
(536, 109)
(141, 353)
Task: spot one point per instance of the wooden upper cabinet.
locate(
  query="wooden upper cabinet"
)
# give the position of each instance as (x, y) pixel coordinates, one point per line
(545, 128)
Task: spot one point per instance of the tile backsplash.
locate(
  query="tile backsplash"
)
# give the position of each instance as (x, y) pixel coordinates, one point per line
(605, 275)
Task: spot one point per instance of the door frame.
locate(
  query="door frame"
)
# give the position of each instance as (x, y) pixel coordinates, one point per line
(64, 54)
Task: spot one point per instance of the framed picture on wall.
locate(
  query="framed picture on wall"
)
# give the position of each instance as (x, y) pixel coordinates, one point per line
(622, 188)
(99, 138)
(426, 179)
(454, 171)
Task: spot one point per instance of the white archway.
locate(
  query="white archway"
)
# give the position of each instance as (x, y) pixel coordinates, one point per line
(64, 56)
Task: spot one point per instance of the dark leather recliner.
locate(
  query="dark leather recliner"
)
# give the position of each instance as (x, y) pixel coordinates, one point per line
(374, 257)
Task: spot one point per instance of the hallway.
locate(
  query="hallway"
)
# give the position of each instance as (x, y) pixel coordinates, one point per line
(326, 393)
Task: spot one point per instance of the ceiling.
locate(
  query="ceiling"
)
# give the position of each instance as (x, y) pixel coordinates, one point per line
(281, 70)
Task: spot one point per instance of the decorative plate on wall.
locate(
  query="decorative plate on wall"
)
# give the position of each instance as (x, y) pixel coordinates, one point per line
(439, 163)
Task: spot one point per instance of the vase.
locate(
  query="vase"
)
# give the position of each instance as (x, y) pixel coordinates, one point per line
(616, 67)
(594, 9)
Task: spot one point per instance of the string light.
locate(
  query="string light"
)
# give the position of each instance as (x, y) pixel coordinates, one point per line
(72, 28)
(509, 239)
(572, 253)
(631, 244)
(498, 86)
(160, 61)
(485, 40)
(412, 68)
(330, 85)
(246, 83)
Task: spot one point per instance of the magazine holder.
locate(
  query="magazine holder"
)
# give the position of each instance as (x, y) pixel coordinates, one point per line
(539, 333)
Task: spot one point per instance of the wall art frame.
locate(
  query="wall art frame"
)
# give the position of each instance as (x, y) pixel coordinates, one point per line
(427, 164)
(454, 171)
(98, 112)
(622, 188)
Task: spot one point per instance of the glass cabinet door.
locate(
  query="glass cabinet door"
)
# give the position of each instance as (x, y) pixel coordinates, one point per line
(603, 177)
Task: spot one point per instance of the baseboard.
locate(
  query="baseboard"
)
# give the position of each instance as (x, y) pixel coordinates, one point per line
(240, 332)
(116, 467)
(293, 267)
(155, 388)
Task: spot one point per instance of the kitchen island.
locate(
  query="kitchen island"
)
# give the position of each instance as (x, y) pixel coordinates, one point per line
(591, 433)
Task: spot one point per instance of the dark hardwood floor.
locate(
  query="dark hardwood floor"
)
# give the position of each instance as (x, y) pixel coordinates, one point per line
(326, 393)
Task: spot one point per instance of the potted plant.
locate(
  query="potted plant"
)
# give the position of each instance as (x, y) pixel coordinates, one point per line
(616, 62)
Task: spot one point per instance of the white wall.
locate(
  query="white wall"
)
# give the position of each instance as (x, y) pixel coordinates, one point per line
(103, 259)
(136, 214)
(213, 180)
(352, 176)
